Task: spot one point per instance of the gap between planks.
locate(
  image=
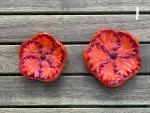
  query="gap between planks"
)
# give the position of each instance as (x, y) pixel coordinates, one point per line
(66, 43)
(75, 106)
(75, 13)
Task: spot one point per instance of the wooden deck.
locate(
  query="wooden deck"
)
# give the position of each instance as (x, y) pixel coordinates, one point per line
(72, 22)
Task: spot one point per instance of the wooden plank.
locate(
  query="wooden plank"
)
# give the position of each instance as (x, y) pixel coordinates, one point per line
(75, 64)
(71, 5)
(73, 90)
(74, 110)
(70, 28)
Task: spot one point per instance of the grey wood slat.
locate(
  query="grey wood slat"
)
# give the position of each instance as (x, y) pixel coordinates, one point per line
(71, 5)
(72, 90)
(74, 110)
(70, 28)
(75, 64)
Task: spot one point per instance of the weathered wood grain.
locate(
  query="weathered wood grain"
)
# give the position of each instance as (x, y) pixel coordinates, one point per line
(71, 5)
(74, 110)
(75, 64)
(70, 28)
(72, 90)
